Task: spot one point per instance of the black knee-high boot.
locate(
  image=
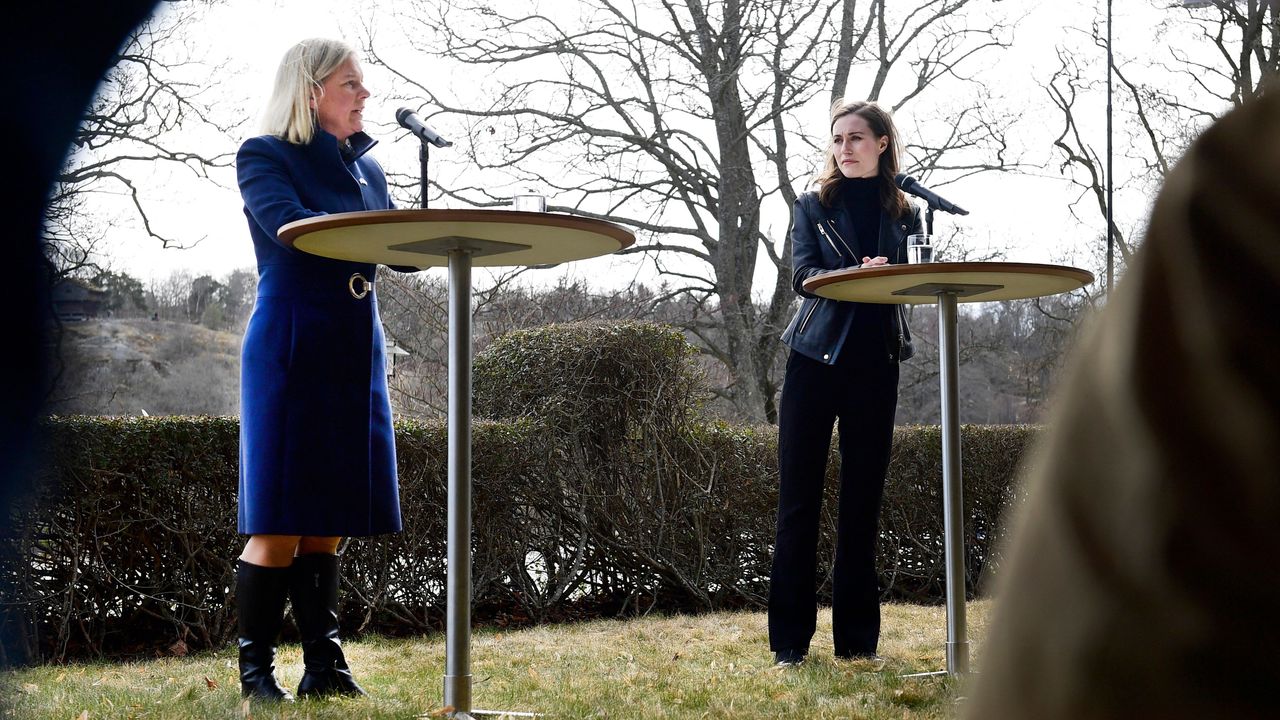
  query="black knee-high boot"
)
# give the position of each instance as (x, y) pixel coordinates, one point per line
(261, 593)
(313, 589)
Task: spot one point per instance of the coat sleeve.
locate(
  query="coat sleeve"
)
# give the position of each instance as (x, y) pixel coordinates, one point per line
(267, 187)
(806, 250)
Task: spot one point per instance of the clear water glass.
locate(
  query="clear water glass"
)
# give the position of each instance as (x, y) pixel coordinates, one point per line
(529, 202)
(919, 249)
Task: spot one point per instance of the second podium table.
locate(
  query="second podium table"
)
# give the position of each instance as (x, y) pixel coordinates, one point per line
(948, 284)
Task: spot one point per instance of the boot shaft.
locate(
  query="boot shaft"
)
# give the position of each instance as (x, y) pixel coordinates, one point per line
(313, 592)
(261, 593)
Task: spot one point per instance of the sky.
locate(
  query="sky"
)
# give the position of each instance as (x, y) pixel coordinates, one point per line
(1023, 216)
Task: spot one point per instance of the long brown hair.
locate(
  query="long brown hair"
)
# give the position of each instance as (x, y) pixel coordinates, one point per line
(892, 200)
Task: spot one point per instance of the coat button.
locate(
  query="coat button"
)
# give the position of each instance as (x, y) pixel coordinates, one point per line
(826, 356)
(904, 227)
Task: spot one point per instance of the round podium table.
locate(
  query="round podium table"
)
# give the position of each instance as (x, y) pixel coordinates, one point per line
(948, 284)
(458, 239)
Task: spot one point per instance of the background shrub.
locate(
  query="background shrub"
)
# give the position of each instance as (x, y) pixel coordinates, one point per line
(597, 490)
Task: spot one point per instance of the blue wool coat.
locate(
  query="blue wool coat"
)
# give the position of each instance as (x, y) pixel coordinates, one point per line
(317, 449)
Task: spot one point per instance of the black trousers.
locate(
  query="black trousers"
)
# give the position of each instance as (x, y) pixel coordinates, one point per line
(862, 393)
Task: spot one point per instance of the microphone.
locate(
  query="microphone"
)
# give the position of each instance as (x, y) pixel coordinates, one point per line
(913, 186)
(411, 122)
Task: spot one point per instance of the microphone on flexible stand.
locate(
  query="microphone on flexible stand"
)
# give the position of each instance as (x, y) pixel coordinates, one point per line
(410, 121)
(936, 201)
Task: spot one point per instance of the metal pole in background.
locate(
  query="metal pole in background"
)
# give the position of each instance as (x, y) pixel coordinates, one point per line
(424, 156)
(1111, 266)
(457, 655)
(952, 486)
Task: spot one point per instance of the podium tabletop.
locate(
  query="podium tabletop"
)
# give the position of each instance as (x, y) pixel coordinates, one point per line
(913, 284)
(424, 238)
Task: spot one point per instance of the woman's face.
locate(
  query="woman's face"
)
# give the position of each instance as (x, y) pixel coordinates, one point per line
(339, 103)
(855, 147)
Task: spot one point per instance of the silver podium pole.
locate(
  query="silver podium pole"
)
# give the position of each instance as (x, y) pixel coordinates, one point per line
(952, 486)
(457, 654)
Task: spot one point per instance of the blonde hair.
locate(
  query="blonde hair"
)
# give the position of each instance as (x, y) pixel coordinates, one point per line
(289, 115)
(881, 123)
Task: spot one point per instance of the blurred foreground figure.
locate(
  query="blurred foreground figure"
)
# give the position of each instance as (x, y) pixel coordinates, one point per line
(1142, 578)
(58, 51)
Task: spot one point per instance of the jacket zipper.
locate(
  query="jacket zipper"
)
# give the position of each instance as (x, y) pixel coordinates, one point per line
(852, 254)
(805, 322)
(829, 240)
(902, 332)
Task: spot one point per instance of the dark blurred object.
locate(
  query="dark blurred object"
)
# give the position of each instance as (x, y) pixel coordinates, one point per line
(1142, 581)
(55, 56)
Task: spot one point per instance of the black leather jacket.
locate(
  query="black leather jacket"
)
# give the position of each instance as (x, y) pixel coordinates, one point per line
(822, 239)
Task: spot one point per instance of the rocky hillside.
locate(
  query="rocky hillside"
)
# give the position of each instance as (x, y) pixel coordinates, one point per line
(136, 366)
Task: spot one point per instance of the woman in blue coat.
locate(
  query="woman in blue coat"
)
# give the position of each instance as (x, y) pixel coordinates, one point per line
(843, 365)
(317, 449)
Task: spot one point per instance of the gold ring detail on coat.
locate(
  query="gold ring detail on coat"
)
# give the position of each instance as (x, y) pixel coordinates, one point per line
(365, 288)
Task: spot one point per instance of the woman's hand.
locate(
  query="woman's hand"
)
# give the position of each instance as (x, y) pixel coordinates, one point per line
(875, 261)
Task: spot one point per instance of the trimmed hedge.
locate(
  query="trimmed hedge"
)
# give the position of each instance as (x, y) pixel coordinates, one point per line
(583, 505)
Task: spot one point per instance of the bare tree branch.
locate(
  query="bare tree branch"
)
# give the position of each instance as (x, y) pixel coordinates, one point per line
(154, 90)
(678, 117)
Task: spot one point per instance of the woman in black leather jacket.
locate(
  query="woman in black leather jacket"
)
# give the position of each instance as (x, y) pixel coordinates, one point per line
(843, 364)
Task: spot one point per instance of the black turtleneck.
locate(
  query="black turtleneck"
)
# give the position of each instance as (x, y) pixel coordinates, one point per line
(861, 198)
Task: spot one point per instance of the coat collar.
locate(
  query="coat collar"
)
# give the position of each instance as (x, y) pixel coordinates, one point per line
(360, 144)
(322, 140)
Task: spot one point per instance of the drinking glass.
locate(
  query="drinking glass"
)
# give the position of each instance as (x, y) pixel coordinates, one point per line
(919, 249)
(529, 202)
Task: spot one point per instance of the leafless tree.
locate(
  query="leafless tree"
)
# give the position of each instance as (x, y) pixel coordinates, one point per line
(167, 297)
(1245, 39)
(1211, 56)
(1081, 163)
(155, 88)
(696, 122)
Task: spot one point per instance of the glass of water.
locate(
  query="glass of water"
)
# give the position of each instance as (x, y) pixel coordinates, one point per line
(529, 201)
(919, 249)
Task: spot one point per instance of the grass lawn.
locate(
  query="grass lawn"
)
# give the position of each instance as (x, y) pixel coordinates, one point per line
(708, 666)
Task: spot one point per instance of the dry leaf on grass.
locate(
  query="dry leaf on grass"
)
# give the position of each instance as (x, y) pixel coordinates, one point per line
(210, 684)
(440, 712)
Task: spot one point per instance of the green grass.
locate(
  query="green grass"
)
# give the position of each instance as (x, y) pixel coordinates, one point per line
(708, 666)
